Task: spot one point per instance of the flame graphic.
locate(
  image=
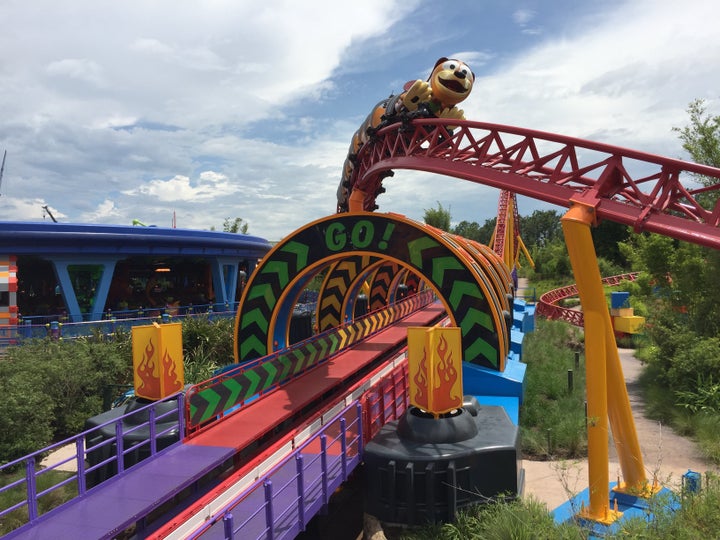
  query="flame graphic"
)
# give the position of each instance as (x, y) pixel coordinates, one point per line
(149, 382)
(421, 395)
(170, 375)
(446, 376)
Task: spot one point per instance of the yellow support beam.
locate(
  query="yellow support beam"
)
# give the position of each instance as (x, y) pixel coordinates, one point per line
(607, 398)
(509, 240)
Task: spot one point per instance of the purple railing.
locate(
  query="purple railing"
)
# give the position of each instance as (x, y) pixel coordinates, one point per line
(280, 503)
(84, 461)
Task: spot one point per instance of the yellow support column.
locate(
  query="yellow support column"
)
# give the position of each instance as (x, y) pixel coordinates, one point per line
(509, 250)
(622, 425)
(576, 228)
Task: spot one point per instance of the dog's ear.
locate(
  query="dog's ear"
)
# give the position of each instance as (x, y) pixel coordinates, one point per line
(440, 61)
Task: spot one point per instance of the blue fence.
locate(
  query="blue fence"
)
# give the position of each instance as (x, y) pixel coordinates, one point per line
(59, 327)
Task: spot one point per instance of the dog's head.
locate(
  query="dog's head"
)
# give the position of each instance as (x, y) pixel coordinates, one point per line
(451, 81)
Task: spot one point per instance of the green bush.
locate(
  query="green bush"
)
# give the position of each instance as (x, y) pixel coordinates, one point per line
(46, 502)
(49, 388)
(673, 516)
(207, 345)
(27, 413)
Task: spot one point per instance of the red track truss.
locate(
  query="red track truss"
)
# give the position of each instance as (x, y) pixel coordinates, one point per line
(638, 189)
(499, 245)
(548, 308)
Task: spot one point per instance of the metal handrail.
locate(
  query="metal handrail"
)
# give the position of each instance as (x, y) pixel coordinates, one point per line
(30, 462)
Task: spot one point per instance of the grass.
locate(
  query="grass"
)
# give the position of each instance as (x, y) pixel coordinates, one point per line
(552, 422)
(47, 502)
(661, 405)
(516, 520)
(552, 418)
(675, 517)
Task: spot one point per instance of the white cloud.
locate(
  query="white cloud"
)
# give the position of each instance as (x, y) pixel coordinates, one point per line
(105, 210)
(153, 108)
(631, 73)
(77, 68)
(208, 187)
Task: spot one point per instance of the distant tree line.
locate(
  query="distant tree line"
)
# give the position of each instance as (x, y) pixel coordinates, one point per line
(542, 234)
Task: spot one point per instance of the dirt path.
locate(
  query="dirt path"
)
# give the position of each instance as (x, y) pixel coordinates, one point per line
(665, 453)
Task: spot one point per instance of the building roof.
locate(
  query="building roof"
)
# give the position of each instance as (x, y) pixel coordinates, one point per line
(47, 238)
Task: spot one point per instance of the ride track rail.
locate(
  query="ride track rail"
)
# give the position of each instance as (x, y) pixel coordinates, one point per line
(547, 304)
(552, 168)
(373, 372)
(268, 428)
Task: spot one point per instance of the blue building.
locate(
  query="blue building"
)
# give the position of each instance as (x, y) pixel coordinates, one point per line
(82, 271)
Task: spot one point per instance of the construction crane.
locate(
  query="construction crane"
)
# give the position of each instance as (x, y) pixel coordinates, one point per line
(46, 209)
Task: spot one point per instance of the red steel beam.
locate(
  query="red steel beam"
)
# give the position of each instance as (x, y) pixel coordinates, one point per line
(641, 190)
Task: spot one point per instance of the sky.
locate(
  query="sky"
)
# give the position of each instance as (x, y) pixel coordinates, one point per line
(115, 111)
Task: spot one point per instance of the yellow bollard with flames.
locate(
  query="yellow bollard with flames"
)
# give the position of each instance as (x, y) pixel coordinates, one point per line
(157, 360)
(435, 369)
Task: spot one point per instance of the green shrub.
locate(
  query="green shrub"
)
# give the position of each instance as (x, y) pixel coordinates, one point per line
(671, 516)
(207, 345)
(27, 413)
(49, 388)
(46, 502)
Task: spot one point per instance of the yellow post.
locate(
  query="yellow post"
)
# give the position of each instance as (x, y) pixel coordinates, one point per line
(576, 228)
(622, 425)
(435, 368)
(157, 360)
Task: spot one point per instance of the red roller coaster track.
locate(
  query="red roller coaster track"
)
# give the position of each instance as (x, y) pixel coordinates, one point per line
(630, 187)
(548, 304)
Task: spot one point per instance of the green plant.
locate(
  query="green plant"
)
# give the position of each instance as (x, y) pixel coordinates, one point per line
(46, 502)
(207, 345)
(49, 388)
(552, 417)
(705, 397)
(670, 516)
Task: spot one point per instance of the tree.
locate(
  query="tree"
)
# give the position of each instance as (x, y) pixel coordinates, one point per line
(235, 226)
(679, 281)
(540, 228)
(607, 237)
(701, 139)
(467, 229)
(438, 217)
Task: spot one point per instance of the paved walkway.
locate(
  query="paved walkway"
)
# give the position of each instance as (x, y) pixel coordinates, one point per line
(665, 453)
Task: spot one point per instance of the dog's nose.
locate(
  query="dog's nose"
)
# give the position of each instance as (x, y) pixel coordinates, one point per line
(460, 74)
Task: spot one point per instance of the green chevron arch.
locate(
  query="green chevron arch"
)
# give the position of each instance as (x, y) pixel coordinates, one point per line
(458, 281)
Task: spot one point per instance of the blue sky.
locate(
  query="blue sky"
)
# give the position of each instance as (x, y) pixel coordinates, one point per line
(114, 111)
